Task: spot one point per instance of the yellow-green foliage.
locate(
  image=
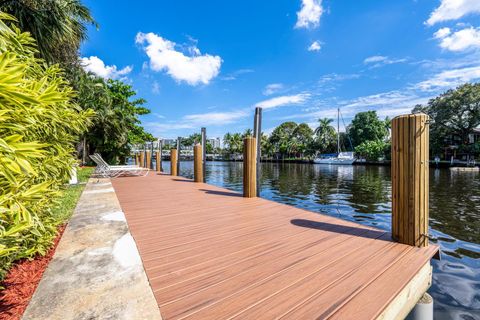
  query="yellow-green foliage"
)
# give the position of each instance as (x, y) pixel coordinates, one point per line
(38, 128)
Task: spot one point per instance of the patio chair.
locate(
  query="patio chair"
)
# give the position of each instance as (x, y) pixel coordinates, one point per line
(105, 170)
(99, 157)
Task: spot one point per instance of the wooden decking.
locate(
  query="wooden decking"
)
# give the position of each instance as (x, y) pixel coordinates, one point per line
(211, 254)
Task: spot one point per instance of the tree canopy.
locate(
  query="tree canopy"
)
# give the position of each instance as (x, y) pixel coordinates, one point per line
(366, 126)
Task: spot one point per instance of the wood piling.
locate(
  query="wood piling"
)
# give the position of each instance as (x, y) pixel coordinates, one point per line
(198, 163)
(249, 167)
(173, 162)
(141, 158)
(410, 134)
(158, 162)
(149, 160)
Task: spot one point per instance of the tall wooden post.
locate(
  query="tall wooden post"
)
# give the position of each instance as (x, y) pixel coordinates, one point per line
(257, 134)
(149, 159)
(173, 162)
(158, 162)
(160, 152)
(179, 150)
(249, 167)
(410, 179)
(137, 159)
(204, 150)
(198, 163)
(141, 159)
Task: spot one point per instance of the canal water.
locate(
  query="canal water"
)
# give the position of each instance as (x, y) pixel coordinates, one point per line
(363, 194)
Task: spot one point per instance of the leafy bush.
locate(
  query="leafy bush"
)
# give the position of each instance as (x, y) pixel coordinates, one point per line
(372, 150)
(38, 126)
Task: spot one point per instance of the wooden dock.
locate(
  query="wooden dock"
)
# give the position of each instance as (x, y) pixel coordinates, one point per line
(209, 253)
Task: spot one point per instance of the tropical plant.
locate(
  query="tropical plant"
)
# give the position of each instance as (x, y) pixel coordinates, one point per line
(58, 26)
(39, 124)
(455, 113)
(366, 126)
(372, 150)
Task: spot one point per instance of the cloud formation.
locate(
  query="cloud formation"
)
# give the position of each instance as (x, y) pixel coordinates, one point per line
(97, 66)
(452, 10)
(379, 61)
(192, 68)
(465, 39)
(309, 14)
(283, 101)
(272, 88)
(449, 79)
(315, 46)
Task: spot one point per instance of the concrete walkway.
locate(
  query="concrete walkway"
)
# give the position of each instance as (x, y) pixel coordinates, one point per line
(96, 272)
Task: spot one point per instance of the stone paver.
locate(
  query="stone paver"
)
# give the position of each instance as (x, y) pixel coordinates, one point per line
(96, 272)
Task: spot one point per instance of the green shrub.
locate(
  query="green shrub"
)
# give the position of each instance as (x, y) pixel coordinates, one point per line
(372, 150)
(38, 127)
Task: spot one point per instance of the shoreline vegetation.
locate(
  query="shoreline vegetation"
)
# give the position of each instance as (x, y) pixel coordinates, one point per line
(23, 277)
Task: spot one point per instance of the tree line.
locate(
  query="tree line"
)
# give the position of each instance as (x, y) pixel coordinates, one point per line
(48, 106)
(454, 116)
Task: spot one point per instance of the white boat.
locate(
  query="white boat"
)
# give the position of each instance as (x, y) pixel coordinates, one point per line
(345, 158)
(341, 158)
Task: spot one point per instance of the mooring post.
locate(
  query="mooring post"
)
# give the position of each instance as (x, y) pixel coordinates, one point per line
(173, 162)
(148, 156)
(249, 167)
(179, 150)
(159, 156)
(410, 179)
(197, 163)
(257, 134)
(204, 151)
(141, 159)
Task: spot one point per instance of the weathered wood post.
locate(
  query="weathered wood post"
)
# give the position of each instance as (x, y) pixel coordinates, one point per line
(257, 134)
(159, 157)
(204, 150)
(173, 162)
(179, 150)
(137, 159)
(149, 159)
(249, 167)
(141, 159)
(198, 163)
(410, 179)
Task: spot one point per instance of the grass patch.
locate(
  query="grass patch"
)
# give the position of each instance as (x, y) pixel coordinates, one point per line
(71, 193)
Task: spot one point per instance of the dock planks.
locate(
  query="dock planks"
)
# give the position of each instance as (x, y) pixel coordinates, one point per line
(211, 254)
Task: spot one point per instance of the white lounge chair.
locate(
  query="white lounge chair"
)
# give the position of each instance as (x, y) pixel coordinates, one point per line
(105, 170)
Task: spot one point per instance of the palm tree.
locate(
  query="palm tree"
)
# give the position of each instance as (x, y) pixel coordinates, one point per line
(325, 132)
(236, 143)
(59, 26)
(248, 133)
(227, 141)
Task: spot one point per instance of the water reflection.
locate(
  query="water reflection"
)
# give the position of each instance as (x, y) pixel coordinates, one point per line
(363, 194)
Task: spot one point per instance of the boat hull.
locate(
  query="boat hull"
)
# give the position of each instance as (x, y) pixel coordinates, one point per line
(334, 161)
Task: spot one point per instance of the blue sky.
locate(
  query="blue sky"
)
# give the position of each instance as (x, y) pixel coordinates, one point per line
(209, 63)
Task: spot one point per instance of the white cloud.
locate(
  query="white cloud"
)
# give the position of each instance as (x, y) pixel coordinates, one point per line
(97, 66)
(379, 61)
(194, 69)
(449, 79)
(234, 75)
(315, 46)
(156, 87)
(462, 40)
(331, 77)
(272, 88)
(442, 33)
(283, 101)
(309, 14)
(214, 118)
(452, 10)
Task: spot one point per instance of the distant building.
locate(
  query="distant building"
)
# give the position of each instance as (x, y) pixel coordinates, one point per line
(215, 142)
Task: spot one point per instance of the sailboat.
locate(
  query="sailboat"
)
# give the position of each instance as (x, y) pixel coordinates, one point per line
(345, 158)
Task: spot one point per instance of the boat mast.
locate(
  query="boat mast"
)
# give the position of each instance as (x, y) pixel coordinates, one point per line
(338, 130)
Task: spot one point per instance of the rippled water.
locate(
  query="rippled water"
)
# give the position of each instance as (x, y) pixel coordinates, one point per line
(363, 194)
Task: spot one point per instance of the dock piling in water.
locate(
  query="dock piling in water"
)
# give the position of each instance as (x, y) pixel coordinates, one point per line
(198, 163)
(410, 179)
(173, 162)
(250, 167)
